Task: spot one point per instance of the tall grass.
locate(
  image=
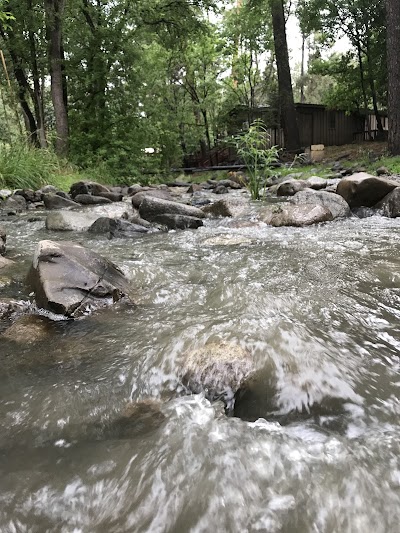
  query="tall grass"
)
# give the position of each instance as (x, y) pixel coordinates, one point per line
(26, 167)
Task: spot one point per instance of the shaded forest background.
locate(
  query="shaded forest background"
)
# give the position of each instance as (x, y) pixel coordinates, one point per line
(102, 82)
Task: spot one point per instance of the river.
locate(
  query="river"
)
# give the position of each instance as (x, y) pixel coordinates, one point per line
(317, 450)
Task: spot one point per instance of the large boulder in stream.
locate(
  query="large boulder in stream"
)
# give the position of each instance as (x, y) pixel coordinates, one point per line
(138, 197)
(178, 221)
(71, 280)
(117, 227)
(217, 369)
(295, 215)
(151, 208)
(336, 204)
(365, 190)
(390, 205)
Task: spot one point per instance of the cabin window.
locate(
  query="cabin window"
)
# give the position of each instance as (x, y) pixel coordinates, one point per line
(332, 120)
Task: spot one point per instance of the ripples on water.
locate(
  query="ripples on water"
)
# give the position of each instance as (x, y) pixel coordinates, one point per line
(319, 310)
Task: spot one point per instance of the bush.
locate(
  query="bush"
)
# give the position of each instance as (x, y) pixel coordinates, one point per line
(25, 167)
(251, 149)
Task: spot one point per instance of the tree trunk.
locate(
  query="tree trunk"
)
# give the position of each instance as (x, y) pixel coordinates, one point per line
(289, 117)
(54, 21)
(393, 47)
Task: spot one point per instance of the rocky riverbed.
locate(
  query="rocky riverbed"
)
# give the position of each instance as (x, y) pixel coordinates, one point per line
(180, 358)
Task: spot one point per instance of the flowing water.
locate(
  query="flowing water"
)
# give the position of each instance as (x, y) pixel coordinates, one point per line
(316, 450)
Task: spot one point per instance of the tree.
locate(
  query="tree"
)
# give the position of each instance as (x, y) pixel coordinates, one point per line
(393, 50)
(288, 111)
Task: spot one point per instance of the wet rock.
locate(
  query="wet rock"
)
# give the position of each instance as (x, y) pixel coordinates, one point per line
(117, 227)
(156, 193)
(390, 205)
(227, 240)
(27, 330)
(5, 193)
(140, 221)
(90, 199)
(365, 190)
(295, 215)
(227, 207)
(151, 208)
(70, 221)
(217, 369)
(55, 201)
(199, 201)
(14, 204)
(137, 417)
(48, 189)
(29, 195)
(336, 204)
(220, 189)
(194, 188)
(178, 221)
(316, 183)
(3, 239)
(87, 187)
(5, 263)
(10, 307)
(133, 189)
(231, 184)
(72, 280)
(382, 171)
(291, 187)
(113, 196)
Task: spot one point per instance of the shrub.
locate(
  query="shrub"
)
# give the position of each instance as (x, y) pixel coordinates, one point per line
(251, 149)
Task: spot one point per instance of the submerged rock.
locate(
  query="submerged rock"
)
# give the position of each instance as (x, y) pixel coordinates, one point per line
(4, 262)
(10, 307)
(217, 369)
(295, 215)
(365, 190)
(72, 280)
(336, 204)
(27, 330)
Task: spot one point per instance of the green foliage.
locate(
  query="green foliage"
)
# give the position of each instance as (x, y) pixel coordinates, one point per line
(251, 148)
(25, 167)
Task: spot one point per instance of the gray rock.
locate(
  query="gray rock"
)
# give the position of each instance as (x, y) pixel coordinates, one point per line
(152, 207)
(70, 221)
(87, 187)
(72, 280)
(14, 204)
(5, 263)
(113, 196)
(90, 199)
(133, 189)
(382, 171)
(220, 189)
(5, 193)
(365, 190)
(55, 201)
(29, 195)
(291, 187)
(3, 239)
(295, 215)
(48, 189)
(335, 203)
(195, 187)
(390, 205)
(156, 193)
(227, 207)
(231, 184)
(116, 227)
(178, 221)
(218, 369)
(315, 182)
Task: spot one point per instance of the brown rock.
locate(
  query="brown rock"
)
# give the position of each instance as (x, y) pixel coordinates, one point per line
(365, 190)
